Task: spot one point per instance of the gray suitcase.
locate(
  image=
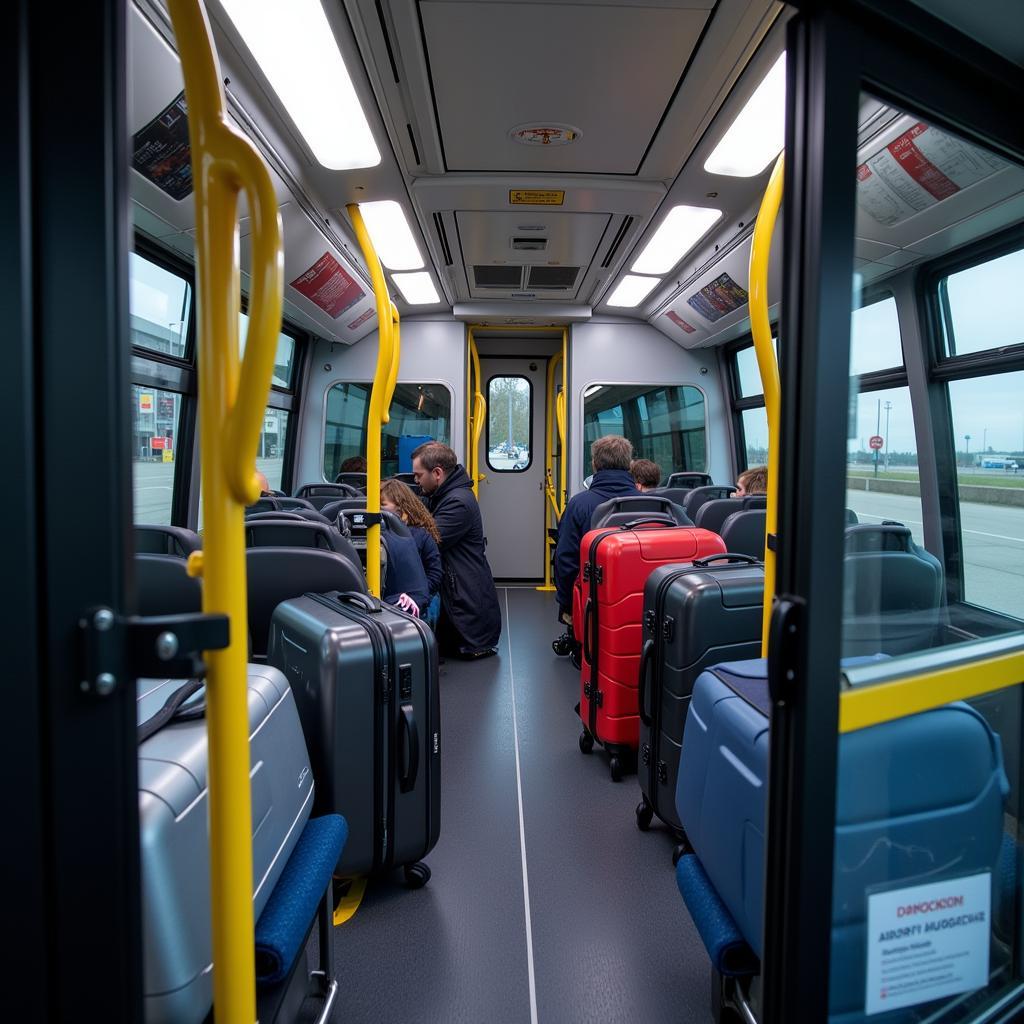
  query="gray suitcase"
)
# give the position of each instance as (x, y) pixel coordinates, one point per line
(365, 678)
(175, 842)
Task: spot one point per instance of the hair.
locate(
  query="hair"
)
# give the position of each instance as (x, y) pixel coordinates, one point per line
(356, 464)
(611, 452)
(754, 480)
(434, 455)
(410, 508)
(645, 472)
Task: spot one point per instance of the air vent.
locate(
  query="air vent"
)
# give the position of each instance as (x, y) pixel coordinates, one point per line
(387, 41)
(529, 244)
(446, 249)
(498, 277)
(552, 277)
(415, 148)
(627, 223)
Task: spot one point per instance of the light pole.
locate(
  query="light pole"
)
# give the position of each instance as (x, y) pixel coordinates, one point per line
(888, 406)
(878, 427)
(510, 417)
(967, 438)
(984, 441)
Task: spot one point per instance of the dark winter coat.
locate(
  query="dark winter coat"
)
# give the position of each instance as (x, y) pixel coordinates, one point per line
(468, 599)
(405, 574)
(575, 522)
(429, 556)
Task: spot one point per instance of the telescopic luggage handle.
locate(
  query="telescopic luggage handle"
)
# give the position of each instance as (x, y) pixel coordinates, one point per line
(703, 563)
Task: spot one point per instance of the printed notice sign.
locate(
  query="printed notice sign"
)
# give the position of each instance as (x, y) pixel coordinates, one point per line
(160, 151)
(680, 322)
(927, 942)
(328, 285)
(719, 298)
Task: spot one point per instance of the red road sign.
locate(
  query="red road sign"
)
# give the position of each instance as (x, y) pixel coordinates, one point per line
(876, 442)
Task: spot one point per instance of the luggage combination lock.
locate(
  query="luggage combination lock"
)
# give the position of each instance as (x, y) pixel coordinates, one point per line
(650, 621)
(662, 772)
(645, 754)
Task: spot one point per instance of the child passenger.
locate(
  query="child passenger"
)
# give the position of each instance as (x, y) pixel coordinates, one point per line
(398, 498)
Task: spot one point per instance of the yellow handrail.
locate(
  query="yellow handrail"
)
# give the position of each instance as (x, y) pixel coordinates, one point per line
(477, 418)
(232, 398)
(549, 470)
(767, 364)
(561, 414)
(396, 357)
(380, 395)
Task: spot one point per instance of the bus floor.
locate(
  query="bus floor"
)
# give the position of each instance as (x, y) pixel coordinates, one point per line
(546, 902)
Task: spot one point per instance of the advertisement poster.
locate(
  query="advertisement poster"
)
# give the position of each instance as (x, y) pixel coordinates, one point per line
(680, 322)
(360, 320)
(717, 299)
(927, 942)
(327, 285)
(919, 169)
(160, 151)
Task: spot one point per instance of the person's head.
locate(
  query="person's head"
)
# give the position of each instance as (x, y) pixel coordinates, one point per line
(752, 481)
(431, 464)
(611, 452)
(356, 464)
(261, 479)
(398, 497)
(646, 474)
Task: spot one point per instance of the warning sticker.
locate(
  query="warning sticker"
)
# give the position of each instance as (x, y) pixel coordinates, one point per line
(680, 322)
(717, 299)
(536, 197)
(919, 169)
(359, 321)
(160, 151)
(328, 286)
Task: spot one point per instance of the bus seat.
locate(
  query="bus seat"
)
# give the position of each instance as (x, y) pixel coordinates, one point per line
(291, 533)
(851, 517)
(743, 532)
(754, 501)
(166, 540)
(712, 514)
(699, 495)
(164, 587)
(356, 480)
(319, 495)
(636, 507)
(275, 503)
(676, 494)
(333, 509)
(689, 480)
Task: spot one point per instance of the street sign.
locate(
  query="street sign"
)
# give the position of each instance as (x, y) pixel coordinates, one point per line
(876, 442)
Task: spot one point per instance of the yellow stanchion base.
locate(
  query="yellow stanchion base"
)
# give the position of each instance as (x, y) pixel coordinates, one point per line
(347, 906)
(548, 588)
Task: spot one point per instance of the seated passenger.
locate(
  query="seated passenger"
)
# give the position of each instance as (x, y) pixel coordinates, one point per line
(470, 623)
(646, 474)
(264, 484)
(355, 464)
(752, 481)
(405, 583)
(398, 497)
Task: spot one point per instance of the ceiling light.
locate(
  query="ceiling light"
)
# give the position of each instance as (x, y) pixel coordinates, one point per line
(758, 134)
(633, 290)
(417, 289)
(295, 47)
(391, 236)
(679, 233)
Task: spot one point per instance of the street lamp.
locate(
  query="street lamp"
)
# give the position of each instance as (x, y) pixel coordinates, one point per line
(888, 406)
(967, 438)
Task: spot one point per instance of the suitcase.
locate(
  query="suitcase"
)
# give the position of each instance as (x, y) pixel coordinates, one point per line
(694, 616)
(614, 565)
(919, 800)
(365, 678)
(174, 838)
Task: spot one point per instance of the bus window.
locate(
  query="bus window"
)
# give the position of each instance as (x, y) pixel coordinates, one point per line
(155, 418)
(509, 422)
(755, 436)
(283, 360)
(875, 338)
(984, 306)
(270, 453)
(160, 304)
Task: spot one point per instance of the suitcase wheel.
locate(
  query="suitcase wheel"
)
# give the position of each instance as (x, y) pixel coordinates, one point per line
(586, 742)
(644, 815)
(416, 875)
(615, 767)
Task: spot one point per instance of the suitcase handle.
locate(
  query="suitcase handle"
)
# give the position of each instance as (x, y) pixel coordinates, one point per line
(366, 602)
(653, 520)
(645, 664)
(703, 563)
(587, 620)
(410, 749)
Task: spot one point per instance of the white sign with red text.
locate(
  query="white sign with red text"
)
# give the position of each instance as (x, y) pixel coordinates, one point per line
(927, 942)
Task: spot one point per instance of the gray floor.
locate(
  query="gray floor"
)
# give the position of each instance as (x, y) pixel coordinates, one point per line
(609, 938)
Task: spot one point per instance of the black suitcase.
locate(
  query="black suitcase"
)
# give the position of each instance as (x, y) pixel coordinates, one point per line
(365, 680)
(695, 616)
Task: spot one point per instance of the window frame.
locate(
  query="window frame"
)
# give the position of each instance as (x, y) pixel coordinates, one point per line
(487, 427)
(739, 404)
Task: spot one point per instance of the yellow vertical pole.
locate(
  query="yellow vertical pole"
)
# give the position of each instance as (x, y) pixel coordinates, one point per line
(232, 397)
(379, 397)
(767, 364)
(478, 416)
(562, 412)
(551, 513)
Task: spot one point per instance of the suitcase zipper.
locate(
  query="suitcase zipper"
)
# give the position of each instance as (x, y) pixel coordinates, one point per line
(594, 574)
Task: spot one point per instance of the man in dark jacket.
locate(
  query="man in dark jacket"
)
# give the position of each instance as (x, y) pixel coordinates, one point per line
(470, 623)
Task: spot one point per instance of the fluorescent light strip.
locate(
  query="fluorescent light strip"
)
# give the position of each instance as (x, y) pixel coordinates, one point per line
(679, 233)
(295, 47)
(633, 290)
(391, 236)
(758, 134)
(417, 289)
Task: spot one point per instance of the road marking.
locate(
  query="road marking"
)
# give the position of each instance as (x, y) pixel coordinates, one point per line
(917, 522)
(522, 828)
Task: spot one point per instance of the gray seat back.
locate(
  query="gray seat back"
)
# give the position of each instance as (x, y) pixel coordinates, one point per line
(166, 540)
(632, 508)
(712, 514)
(291, 533)
(676, 494)
(743, 532)
(164, 587)
(699, 495)
(319, 495)
(689, 480)
(356, 480)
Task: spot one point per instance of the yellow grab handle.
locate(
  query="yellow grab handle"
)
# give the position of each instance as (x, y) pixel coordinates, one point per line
(562, 412)
(767, 364)
(477, 418)
(231, 403)
(396, 356)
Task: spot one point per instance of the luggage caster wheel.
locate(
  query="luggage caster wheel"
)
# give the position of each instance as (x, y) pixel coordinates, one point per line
(586, 742)
(678, 853)
(644, 815)
(416, 875)
(615, 767)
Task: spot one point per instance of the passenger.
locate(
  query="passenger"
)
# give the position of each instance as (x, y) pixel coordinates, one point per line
(398, 498)
(261, 479)
(611, 457)
(646, 474)
(470, 624)
(405, 583)
(752, 481)
(355, 464)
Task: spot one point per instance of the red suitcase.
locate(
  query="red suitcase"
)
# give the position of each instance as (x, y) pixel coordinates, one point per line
(614, 565)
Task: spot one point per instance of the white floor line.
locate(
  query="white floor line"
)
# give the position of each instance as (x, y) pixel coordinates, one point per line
(522, 827)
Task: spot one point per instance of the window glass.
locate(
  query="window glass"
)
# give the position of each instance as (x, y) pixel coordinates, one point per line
(270, 453)
(755, 436)
(418, 412)
(155, 418)
(988, 425)
(509, 427)
(665, 424)
(747, 373)
(875, 338)
(285, 353)
(159, 304)
(985, 305)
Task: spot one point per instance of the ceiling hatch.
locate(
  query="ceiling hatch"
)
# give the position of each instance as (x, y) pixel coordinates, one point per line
(552, 277)
(505, 277)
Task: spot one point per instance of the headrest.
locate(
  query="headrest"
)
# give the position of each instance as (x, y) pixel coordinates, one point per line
(754, 501)
(743, 533)
(356, 480)
(272, 503)
(166, 540)
(355, 522)
(887, 536)
(689, 480)
(290, 533)
(256, 517)
(699, 495)
(636, 507)
(329, 492)
(164, 587)
(713, 514)
(676, 494)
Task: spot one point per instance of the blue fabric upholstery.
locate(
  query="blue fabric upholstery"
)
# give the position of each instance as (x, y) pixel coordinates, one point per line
(285, 920)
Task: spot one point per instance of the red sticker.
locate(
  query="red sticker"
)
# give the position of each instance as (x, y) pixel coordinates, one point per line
(680, 322)
(919, 167)
(359, 321)
(327, 285)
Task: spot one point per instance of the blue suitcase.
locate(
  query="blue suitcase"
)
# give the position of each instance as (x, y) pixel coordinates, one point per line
(920, 800)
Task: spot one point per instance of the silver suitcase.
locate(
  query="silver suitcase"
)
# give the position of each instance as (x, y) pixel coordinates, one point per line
(174, 837)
